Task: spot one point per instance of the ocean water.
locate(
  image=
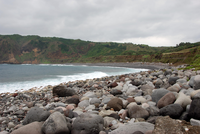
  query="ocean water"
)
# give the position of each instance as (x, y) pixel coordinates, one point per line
(25, 76)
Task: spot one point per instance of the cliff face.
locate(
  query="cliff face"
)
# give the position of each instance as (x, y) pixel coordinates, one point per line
(17, 49)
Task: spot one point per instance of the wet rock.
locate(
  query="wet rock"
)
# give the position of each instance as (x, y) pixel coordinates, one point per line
(173, 110)
(56, 124)
(136, 111)
(36, 114)
(195, 109)
(32, 128)
(87, 124)
(167, 99)
(158, 94)
(130, 128)
(115, 103)
(63, 91)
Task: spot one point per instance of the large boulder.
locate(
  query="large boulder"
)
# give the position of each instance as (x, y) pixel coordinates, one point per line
(158, 94)
(173, 110)
(115, 103)
(36, 114)
(32, 128)
(167, 99)
(136, 111)
(195, 109)
(133, 127)
(196, 82)
(87, 124)
(63, 91)
(183, 100)
(56, 124)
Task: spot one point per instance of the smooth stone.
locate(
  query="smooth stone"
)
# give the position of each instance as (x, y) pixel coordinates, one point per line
(87, 124)
(112, 85)
(108, 121)
(36, 114)
(104, 113)
(137, 112)
(32, 128)
(147, 92)
(73, 100)
(56, 124)
(105, 100)
(196, 82)
(173, 110)
(84, 98)
(11, 125)
(69, 113)
(167, 99)
(172, 80)
(153, 110)
(130, 99)
(158, 94)
(90, 108)
(132, 127)
(115, 92)
(115, 103)
(195, 109)
(191, 81)
(181, 81)
(83, 104)
(194, 122)
(183, 100)
(194, 93)
(63, 91)
(89, 94)
(140, 99)
(175, 88)
(95, 100)
(196, 96)
(4, 132)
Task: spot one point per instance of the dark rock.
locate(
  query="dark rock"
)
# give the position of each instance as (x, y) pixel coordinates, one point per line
(172, 80)
(115, 103)
(167, 72)
(185, 117)
(167, 99)
(136, 111)
(152, 119)
(195, 109)
(69, 113)
(115, 92)
(114, 115)
(87, 124)
(36, 114)
(56, 124)
(32, 128)
(136, 82)
(153, 110)
(62, 91)
(158, 94)
(173, 110)
(138, 132)
(73, 100)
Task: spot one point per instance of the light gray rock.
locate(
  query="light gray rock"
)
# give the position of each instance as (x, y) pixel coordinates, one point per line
(56, 124)
(158, 94)
(183, 100)
(83, 104)
(95, 100)
(132, 127)
(194, 122)
(191, 82)
(196, 82)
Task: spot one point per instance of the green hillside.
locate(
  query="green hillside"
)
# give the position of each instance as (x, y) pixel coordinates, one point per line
(34, 49)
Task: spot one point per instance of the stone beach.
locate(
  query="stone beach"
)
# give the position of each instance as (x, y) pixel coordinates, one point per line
(163, 100)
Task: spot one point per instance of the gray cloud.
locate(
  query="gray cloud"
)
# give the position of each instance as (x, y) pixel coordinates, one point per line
(152, 22)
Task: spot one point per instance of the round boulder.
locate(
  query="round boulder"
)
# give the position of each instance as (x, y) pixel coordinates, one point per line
(195, 109)
(136, 111)
(115, 103)
(167, 99)
(158, 94)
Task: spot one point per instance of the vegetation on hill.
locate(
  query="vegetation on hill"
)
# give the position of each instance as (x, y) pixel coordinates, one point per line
(34, 49)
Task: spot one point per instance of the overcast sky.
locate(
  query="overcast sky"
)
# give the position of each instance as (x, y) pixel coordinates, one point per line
(152, 22)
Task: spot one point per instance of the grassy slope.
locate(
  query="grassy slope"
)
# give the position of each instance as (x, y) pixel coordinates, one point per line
(35, 49)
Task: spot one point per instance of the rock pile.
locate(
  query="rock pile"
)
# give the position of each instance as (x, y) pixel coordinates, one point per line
(155, 101)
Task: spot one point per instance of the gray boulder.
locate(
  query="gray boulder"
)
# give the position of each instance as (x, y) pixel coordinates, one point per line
(136, 111)
(56, 124)
(196, 82)
(87, 124)
(158, 94)
(36, 114)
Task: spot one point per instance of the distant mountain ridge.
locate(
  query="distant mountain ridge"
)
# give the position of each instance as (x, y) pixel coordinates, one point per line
(33, 49)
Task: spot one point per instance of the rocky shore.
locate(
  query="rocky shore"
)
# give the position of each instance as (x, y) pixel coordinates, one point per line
(165, 100)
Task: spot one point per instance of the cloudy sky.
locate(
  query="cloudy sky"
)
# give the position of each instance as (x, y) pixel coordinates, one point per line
(152, 22)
